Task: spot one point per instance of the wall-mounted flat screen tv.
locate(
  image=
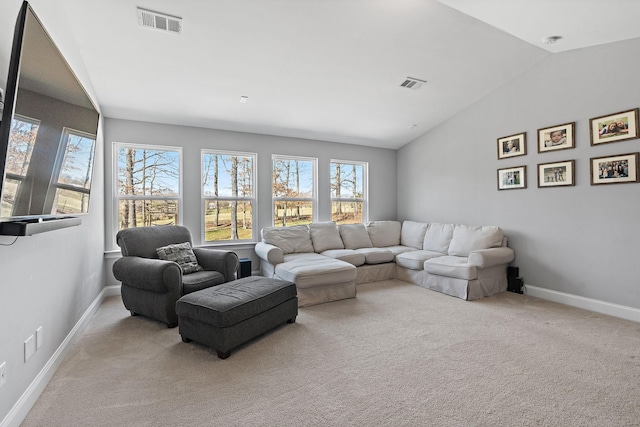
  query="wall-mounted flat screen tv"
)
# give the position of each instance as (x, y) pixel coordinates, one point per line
(48, 130)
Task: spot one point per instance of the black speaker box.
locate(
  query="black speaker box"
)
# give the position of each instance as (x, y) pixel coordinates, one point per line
(245, 268)
(513, 271)
(515, 284)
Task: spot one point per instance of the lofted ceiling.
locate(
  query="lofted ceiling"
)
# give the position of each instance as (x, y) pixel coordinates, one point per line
(325, 69)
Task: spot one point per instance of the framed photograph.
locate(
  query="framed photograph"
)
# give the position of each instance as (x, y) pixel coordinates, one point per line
(558, 174)
(558, 137)
(512, 178)
(614, 127)
(512, 145)
(617, 169)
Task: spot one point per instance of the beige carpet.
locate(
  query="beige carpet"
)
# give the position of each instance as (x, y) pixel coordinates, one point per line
(397, 355)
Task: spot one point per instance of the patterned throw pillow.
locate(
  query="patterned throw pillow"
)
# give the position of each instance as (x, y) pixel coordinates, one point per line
(182, 254)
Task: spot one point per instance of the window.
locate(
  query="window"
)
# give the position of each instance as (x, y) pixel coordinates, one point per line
(348, 192)
(294, 190)
(228, 193)
(21, 142)
(74, 177)
(148, 187)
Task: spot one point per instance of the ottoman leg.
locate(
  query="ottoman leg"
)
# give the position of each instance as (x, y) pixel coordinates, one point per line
(185, 339)
(223, 354)
(292, 320)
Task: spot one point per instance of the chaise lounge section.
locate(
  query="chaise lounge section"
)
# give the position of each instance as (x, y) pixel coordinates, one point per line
(326, 260)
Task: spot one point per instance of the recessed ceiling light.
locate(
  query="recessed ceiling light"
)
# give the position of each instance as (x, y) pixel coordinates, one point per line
(244, 99)
(551, 39)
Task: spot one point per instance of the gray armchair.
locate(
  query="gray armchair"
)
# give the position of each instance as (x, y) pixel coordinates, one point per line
(151, 286)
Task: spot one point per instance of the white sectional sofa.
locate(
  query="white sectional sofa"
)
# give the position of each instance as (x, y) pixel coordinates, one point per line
(326, 260)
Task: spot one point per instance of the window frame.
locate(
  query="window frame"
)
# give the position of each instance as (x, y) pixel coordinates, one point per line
(117, 197)
(365, 188)
(314, 187)
(253, 199)
(67, 132)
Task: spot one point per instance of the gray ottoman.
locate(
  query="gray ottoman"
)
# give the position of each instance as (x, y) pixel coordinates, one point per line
(228, 315)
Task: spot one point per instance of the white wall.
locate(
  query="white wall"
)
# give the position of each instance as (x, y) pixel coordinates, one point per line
(50, 279)
(382, 170)
(580, 240)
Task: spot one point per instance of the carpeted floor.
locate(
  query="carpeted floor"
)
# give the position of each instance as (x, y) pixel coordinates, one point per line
(397, 355)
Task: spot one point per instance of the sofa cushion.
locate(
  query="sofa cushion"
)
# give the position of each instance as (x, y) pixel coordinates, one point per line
(467, 238)
(182, 254)
(346, 255)
(384, 233)
(293, 239)
(354, 236)
(201, 280)
(395, 250)
(437, 237)
(307, 256)
(325, 236)
(451, 266)
(412, 234)
(376, 255)
(325, 271)
(414, 260)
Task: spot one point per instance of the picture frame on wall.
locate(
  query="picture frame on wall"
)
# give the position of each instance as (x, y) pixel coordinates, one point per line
(618, 169)
(512, 178)
(512, 145)
(556, 174)
(559, 137)
(614, 127)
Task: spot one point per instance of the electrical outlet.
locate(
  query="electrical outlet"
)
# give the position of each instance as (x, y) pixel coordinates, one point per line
(3, 374)
(39, 338)
(29, 347)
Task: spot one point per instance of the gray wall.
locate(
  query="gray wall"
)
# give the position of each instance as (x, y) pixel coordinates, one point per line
(49, 279)
(382, 171)
(580, 240)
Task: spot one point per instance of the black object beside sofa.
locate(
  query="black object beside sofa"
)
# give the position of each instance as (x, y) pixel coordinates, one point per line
(151, 286)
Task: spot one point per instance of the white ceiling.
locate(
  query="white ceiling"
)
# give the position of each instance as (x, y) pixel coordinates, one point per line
(325, 69)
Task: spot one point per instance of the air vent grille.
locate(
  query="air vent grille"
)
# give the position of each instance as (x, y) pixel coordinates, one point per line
(412, 83)
(159, 21)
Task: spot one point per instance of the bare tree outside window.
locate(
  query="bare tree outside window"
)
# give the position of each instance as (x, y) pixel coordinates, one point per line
(148, 187)
(348, 190)
(293, 190)
(228, 195)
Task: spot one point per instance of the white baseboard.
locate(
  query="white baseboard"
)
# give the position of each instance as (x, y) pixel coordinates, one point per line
(603, 307)
(19, 411)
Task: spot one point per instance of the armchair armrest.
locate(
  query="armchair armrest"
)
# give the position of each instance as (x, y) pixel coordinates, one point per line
(485, 258)
(270, 253)
(149, 274)
(225, 262)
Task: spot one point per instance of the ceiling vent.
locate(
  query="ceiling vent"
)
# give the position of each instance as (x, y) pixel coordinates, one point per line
(412, 83)
(159, 21)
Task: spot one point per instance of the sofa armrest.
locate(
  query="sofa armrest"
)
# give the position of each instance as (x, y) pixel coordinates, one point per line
(149, 274)
(270, 253)
(225, 262)
(484, 258)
